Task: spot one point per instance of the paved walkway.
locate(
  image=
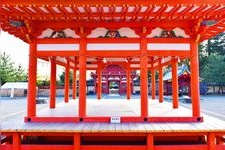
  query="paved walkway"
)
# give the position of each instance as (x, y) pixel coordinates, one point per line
(16, 107)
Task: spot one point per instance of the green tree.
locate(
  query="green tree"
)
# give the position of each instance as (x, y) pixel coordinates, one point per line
(9, 72)
(214, 69)
(7, 69)
(62, 78)
(21, 75)
(211, 58)
(216, 45)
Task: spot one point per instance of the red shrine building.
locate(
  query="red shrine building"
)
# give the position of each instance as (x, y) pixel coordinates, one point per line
(184, 79)
(132, 36)
(114, 80)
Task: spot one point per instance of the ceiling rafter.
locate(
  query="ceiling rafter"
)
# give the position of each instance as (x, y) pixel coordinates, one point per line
(130, 13)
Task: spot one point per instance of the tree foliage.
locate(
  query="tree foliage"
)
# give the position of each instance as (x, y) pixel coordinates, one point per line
(10, 72)
(212, 59)
(62, 78)
(214, 69)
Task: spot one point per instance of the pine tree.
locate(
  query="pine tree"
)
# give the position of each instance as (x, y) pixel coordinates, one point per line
(21, 75)
(216, 45)
(7, 69)
(9, 72)
(62, 78)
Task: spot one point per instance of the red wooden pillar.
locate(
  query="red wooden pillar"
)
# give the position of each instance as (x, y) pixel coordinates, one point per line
(160, 81)
(128, 81)
(150, 141)
(53, 83)
(131, 85)
(99, 94)
(144, 77)
(67, 81)
(175, 83)
(153, 82)
(211, 141)
(16, 141)
(76, 141)
(32, 77)
(195, 80)
(82, 77)
(75, 79)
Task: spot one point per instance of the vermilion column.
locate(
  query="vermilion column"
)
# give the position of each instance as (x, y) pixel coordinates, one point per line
(16, 141)
(82, 77)
(67, 81)
(160, 81)
(75, 80)
(32, 74)
(128, 81)
(53, 83)
(99, 94)
(144, 77)
(153, 82)
(175, 83)
(195, 79)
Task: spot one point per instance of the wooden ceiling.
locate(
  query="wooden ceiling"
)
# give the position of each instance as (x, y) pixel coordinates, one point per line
(19, 17)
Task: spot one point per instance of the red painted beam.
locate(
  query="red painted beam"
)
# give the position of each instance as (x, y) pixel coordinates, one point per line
(124, 119)
(109, 2)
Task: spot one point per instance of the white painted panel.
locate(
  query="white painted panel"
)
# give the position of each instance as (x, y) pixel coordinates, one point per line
(168, 9)
(181, 9)
(93, 9)
(97, 32)
(155, 64)
(62, 59)
(177, 31)
(72, 64)
(136, 59)
(166, 59)
(31, 9)
(135, 65)
(55, 47)
(128, 32)
(91, 59)
(155, 32)
(124, 31)
(168, 46)
(156, 8)
(118, 9)
(56, 9)
(131, 9)
(110, 46)
(92, 65)
(43, 9)
(115, 59)
(69, 10)
(180, 33)
(48, 33)
(81, 9)
(106, 9)
(143, 9)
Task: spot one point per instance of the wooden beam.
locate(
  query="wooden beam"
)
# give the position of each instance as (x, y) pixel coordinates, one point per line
(109, 2)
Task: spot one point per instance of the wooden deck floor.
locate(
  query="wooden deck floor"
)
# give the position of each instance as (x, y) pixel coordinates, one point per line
(115, 108)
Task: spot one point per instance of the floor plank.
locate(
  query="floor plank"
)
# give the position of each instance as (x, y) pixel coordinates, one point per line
(114, 107)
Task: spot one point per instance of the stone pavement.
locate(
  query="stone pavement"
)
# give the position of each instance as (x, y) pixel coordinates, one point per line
(213, 105)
